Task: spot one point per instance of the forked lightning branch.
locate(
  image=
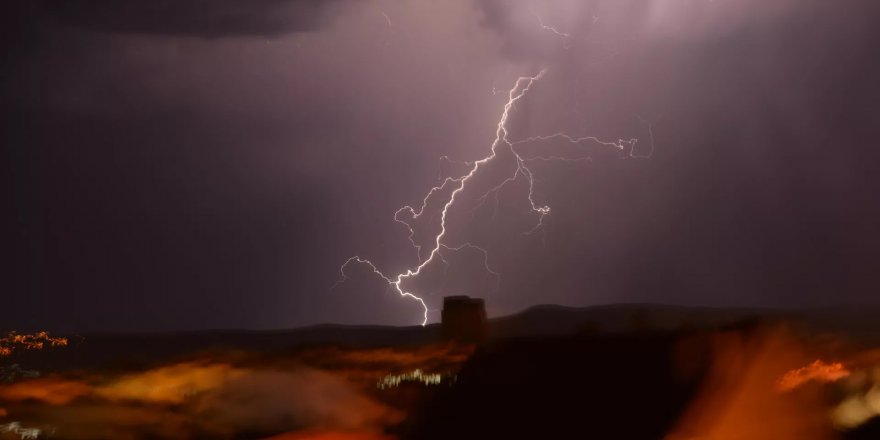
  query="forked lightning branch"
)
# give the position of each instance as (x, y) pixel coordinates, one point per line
(455, 185)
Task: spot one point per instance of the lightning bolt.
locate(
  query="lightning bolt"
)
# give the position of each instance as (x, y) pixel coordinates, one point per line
(455, 185)
(551, 28)
(385, 16)
(564, 36)
(650, 125)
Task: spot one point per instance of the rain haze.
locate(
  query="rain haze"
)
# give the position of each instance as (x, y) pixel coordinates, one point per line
(213, 164)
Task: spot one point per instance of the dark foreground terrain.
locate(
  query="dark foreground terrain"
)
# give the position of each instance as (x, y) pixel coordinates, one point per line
(622, 372)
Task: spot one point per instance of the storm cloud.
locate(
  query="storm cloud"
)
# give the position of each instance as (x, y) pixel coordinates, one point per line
(185, 164)
(201, 18)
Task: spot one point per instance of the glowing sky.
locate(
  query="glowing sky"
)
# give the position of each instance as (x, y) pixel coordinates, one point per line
(203, 164)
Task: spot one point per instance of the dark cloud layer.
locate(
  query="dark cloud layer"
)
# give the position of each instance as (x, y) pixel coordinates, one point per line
(203, 18)
(164, 181)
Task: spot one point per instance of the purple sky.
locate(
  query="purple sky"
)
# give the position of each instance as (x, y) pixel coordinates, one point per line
(182, 164)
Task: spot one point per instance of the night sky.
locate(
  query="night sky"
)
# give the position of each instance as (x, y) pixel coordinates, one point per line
(190, 164)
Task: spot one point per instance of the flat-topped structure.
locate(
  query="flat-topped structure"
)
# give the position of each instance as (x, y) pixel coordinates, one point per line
(464, 319)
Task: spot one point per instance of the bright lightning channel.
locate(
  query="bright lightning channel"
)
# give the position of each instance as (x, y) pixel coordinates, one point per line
(515, 94)
(551, 28)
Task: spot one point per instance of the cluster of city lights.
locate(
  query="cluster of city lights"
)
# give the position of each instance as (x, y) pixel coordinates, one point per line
(417, 375)
(36, 341)
(22, 432)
